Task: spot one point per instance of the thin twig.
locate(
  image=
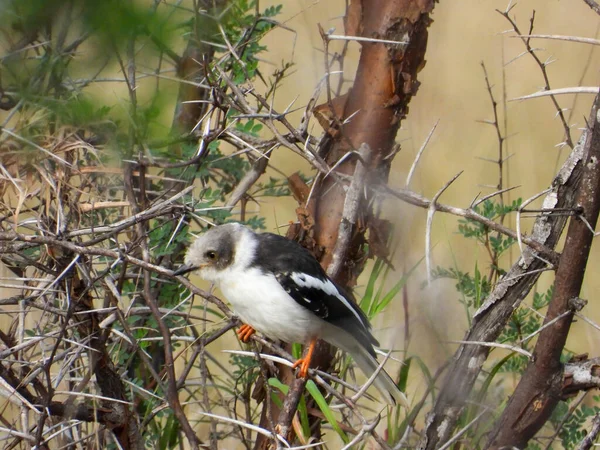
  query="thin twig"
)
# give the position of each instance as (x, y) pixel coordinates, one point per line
(413, 167)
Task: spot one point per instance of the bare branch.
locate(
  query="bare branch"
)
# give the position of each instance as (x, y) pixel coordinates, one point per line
(492, 316)
(542, 67)
(542, 381)
(422, 202)
(592, 4)
(558, 37)
(353, 202)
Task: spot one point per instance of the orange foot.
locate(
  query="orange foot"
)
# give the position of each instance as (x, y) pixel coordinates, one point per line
(304, 363)
(245, 332)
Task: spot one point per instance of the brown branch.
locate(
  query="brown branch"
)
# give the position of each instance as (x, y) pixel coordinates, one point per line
(171, 391)
(592, 4)
(590, 438)
(492, 316)
(384, 85)
(539, 389)
(353, 204)
(418, 200)
(289, 408)
(542, 66)
(124, 419)
(256, 171)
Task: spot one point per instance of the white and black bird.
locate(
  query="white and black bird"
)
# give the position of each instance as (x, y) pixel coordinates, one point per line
(278, 288)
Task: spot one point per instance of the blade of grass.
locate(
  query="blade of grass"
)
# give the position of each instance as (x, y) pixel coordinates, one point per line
(403, 378)
(313, 390)
(302, 410)
(303, 413)
(379, 305)
(427, 373)
(277, 384)
(365, 303)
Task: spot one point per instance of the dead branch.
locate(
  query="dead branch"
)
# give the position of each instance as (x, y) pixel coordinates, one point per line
(415, 199)
(250, 178)
(542, 66)
(352, 204)
(490, 319)
(592, 4)
(581, 375)
(539, 389)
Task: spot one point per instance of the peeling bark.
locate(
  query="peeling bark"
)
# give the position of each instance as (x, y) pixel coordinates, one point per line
(385, 82)
(493, 315)
(540, 388)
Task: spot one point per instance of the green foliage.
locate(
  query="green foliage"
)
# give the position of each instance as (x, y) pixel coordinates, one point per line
(489, 209)
(162, 237)
(524, 322)
(238, 22)
(315, 393)
(245, 368)
(474, 288)
(275, 187)
(169, 435)
(375, 300)
(574, 427)
(249, 127)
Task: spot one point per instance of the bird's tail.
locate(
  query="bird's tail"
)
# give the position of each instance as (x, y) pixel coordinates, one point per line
(383, 382)
(367, 364)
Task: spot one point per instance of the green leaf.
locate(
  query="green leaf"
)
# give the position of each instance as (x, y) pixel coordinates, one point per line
(404, 370)
(303, 413)
(297, 350)
(313, 390)
(277, 384)
(427, 374)
(365, 302)
(381, 304)
(488, 380)
(170, 433)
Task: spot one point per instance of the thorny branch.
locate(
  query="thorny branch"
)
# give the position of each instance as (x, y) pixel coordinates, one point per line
(592, 4)
(393, 37)
(491, 317)
(537, 393)
(542, 66)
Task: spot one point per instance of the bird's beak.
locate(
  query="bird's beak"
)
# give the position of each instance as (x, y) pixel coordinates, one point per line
(184, 268)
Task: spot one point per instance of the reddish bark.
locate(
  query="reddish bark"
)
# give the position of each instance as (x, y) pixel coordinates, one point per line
(384, 84)
(377, 102)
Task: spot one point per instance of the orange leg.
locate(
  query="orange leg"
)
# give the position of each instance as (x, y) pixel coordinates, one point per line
(304, 363)
(245, 332)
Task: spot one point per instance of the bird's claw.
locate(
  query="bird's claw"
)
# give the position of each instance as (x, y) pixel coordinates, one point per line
(245, 332)
(304, 364)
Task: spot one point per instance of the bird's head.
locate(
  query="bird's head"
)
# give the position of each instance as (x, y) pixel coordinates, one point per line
(212, 251)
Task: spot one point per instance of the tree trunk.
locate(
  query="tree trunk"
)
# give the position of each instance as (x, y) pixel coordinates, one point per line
(374, 107)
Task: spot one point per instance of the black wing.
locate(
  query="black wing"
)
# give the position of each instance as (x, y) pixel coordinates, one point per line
(303, 278)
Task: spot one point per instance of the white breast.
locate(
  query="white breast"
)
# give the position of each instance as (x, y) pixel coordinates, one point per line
(260, 301)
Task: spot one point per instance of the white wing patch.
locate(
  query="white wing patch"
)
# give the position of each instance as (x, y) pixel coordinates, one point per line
(306, 281)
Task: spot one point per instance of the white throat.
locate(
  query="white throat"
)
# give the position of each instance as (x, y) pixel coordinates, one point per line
(245, 250)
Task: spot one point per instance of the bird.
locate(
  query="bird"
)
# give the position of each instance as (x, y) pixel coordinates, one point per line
(276, 286)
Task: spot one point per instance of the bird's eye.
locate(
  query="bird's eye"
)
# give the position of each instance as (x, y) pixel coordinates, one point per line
(212, 255)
